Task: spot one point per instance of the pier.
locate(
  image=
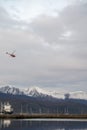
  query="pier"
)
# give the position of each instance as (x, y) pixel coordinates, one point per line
(26, 116)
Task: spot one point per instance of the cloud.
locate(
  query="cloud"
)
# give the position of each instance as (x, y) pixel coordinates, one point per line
(5, 20)
(68, 29)
(55, 31)
(51, 50)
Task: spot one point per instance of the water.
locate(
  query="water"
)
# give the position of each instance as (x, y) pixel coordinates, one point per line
(43, 124)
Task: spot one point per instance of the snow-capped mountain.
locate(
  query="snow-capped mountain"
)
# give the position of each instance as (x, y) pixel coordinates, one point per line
(11, 90)
(71, 95)
(78, 94)
(35, 91)
(38, 92)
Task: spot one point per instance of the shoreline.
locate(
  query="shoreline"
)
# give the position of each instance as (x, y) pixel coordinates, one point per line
(51, 116)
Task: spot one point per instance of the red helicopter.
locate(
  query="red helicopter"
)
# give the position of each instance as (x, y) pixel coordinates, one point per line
(11, 54)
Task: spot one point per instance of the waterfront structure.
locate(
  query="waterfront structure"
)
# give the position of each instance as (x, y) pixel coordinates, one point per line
(6, 108)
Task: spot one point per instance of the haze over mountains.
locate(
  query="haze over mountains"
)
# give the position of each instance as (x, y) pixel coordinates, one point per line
(38, 92)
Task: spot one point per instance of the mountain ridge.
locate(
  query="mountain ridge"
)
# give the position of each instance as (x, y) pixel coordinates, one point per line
(38, 102)
(38, 92)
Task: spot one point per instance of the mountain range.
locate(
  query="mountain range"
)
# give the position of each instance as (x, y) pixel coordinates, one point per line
(38, 92)
(37, 100)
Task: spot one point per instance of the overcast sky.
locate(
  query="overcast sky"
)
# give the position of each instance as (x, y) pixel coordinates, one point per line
(50, 39)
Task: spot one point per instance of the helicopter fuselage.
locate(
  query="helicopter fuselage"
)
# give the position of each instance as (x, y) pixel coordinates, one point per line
(11, 54)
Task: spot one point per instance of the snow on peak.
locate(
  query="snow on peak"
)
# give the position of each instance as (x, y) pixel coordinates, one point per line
(38, 92)
(35, 91)
(11, 90)
(78, 94)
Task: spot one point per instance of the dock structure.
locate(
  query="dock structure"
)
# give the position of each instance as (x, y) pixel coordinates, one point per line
(48, 116)
(6, 108)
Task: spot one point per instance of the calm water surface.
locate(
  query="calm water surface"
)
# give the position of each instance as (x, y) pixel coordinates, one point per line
(43, 124)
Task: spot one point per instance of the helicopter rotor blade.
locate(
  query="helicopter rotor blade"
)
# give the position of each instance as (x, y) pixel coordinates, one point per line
(13, 51)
